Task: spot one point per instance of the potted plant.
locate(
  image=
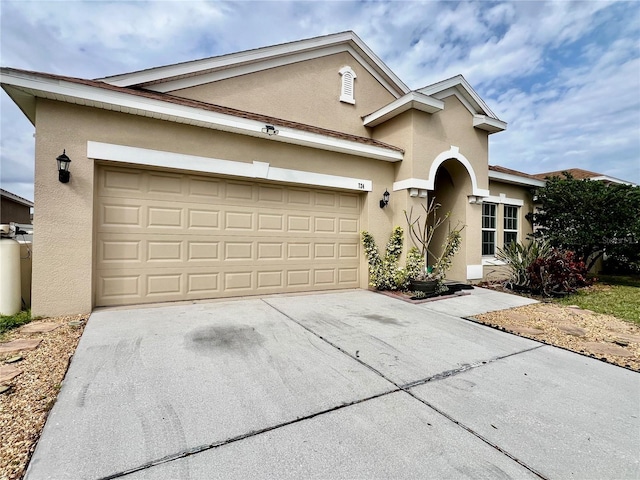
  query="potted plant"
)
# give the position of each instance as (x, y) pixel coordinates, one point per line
(425, 277)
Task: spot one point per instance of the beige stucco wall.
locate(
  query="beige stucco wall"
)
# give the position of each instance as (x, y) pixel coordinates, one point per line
(306, 92)
(437, 133)
(424, 137)
(63, 246)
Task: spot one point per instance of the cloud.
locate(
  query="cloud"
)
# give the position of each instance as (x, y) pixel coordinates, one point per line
(564, 75)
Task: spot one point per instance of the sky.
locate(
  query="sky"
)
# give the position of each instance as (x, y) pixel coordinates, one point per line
(564, 75)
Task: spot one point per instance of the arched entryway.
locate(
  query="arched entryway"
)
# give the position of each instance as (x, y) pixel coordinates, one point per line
(451, 188)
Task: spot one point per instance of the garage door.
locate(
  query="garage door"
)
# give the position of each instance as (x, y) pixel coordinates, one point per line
(165, 237)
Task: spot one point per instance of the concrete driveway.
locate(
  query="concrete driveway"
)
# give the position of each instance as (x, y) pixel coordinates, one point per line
(338, 385)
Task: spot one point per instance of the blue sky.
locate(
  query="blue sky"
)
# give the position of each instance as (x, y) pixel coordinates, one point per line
(564, 75)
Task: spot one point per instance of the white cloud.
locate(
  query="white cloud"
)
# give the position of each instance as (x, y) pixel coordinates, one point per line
(564, 75)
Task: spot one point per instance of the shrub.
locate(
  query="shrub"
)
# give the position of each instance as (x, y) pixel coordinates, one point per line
(557, 274)
(384, 273)
(519, 257)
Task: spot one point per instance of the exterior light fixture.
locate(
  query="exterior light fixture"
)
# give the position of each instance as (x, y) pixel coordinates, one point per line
(270, 130)
(63, 167)
(385, 198)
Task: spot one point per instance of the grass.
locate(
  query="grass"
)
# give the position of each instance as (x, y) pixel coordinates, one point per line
(9, 322)
(614, 295)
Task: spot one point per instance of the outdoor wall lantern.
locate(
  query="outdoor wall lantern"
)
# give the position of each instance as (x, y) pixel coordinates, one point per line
(385, 198)
(63, 167)
(270, 130)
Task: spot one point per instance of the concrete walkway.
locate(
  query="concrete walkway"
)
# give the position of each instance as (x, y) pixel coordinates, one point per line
(338, 385)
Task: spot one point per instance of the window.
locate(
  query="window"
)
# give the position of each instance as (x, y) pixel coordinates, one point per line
(346, 90)
(488, 228)
(510, 224)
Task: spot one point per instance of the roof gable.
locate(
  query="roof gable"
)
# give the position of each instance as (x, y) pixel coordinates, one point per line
(198, 72)
(484, 118)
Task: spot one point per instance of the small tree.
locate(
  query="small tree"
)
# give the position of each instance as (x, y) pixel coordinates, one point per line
(421, 232)
(588, 217)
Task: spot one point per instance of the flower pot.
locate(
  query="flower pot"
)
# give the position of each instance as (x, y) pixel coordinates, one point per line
(427, 286)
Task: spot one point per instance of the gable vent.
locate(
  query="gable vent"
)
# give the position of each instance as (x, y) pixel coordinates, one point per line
(346, 90)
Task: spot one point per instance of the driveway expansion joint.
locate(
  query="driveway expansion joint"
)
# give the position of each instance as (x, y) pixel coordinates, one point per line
(464, 368)
(406, 389)
(203, 448)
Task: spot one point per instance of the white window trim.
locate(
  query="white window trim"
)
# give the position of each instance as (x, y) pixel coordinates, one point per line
(494, 230)
(503, 199)
(261, 170)
(347, 85)
(511, 230)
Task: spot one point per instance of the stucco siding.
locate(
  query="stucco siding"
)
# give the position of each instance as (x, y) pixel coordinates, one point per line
(64, 258)
(306, 92)
(453, 126)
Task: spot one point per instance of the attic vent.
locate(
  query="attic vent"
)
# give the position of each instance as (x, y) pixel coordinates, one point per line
(346, 91)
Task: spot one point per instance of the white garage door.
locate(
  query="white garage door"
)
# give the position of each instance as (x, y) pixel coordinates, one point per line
(164, 237)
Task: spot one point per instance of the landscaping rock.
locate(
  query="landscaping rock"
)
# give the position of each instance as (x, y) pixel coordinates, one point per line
(40, 327)
(525, 330)
(19, 345)
(572, 330)
(7, 372)
(624, 337)
(607, 349)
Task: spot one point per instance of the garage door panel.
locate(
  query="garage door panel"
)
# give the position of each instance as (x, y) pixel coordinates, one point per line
(116, 251)
(166, 237)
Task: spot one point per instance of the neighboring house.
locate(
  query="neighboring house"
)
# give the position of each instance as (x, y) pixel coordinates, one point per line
(252, 173)
(14, 209)
(580, 174)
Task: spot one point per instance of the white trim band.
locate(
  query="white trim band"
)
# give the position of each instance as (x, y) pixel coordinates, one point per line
(502, 198)
(92, 96)
(262, 170)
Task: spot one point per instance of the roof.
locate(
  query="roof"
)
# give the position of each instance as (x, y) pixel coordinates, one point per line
(580, 174)
(24, 86)
(507, 175)
(197, 72)
(15, 198)
(484, 118)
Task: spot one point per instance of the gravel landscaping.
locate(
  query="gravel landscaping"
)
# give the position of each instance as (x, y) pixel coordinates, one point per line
(32, 393)
(598, 335)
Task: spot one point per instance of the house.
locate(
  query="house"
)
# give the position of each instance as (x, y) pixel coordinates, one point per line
(14, 209)
(252, 173)
(580, 174)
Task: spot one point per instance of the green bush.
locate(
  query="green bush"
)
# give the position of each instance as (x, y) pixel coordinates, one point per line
(384, 273)
(519, 257)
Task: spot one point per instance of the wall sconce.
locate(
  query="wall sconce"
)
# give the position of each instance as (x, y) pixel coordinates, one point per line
(63, 167)
(270, 130)
(385, 198)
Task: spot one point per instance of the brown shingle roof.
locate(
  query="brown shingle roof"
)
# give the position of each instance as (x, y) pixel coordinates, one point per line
(165, 97)
(577, 173)
(498, 168)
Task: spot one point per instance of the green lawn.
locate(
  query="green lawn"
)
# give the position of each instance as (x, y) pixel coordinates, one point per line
(615, 295)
